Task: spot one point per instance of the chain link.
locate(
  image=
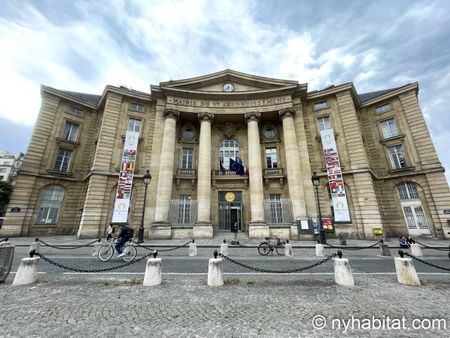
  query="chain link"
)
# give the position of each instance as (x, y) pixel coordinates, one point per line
(427, 263)
(65, 267)
(432, 247)
(352, 248)
(66, 247)
(278, 271)
(171, 249)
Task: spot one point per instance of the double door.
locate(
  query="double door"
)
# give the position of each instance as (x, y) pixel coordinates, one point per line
(415, 218)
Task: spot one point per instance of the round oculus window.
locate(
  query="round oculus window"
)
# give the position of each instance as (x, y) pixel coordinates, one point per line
(188, 133)
(269, 133)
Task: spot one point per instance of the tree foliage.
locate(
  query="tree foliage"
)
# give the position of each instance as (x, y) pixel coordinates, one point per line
(5, 192)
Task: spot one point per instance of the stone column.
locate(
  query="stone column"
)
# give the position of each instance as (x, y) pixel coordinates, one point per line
(165, 179)
(293, 163)
(203, 227)
(257, 226)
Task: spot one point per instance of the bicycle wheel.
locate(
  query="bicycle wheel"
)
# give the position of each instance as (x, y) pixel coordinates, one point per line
(264, 249)
(280, 249)
(130, 253)
(106, 252)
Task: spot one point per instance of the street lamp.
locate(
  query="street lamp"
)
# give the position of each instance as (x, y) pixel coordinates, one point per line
(316, 182)
(147, 178)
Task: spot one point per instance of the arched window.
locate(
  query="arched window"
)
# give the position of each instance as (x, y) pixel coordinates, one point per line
(412, 208)
(52, 197)
(229, 149)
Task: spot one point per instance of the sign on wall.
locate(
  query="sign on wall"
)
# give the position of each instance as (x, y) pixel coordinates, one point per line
(125, 183)
(335, 177)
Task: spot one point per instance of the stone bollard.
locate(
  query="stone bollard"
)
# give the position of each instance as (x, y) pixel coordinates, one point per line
(215, 271)
(342, 271)
(96, 248)
(192, 249)
(415, 250)
(27, 272)
(153, 271)
(319, 250)
(384, 249)
(288, 250)
(224, 248)
(406, 272)
(35, 246)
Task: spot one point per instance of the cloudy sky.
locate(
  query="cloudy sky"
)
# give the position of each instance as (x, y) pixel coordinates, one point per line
(85, 45)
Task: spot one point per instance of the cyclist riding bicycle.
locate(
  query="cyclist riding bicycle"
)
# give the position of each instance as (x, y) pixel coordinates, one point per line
(125, 235)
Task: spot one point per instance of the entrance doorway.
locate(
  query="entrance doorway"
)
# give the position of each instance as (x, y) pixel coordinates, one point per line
(230, 210)
(416, 221)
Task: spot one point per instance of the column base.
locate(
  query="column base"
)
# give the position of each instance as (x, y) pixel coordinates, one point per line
(160, 230)
(203, 230)
(258, 229)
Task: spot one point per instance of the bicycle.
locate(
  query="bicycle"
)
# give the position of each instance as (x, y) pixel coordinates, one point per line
(107, 250)
(270, 245)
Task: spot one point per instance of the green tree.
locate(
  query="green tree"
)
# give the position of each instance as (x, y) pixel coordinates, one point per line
(5, 192)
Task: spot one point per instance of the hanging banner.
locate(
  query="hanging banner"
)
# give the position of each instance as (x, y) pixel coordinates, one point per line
(335, 178)
(124, 185)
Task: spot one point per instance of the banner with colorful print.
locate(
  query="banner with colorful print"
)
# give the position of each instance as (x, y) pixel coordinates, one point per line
(125, 182)
(335, 177)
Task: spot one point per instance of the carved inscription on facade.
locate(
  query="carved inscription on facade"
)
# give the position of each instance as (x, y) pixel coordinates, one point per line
(228, 104)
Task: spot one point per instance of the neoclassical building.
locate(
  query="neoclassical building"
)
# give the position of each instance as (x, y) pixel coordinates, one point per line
(231, 147)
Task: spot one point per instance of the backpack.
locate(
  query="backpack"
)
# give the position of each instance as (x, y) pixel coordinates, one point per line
(129, 233)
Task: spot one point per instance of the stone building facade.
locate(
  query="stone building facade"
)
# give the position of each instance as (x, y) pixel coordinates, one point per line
(230, 147)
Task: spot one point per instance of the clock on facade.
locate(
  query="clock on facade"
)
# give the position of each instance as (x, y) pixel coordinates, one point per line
(228, 87)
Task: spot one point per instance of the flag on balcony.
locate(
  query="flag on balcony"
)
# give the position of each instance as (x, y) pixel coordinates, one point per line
(221, 164)
(237, 166)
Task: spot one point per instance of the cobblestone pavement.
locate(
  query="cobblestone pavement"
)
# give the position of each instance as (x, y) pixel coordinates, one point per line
(246, 306)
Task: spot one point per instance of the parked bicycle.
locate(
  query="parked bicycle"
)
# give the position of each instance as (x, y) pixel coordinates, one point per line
(107, 250)
(269, 245)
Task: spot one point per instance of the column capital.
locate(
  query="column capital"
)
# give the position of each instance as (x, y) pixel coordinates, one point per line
(252, 116)
(171, 114)
(207, 117)
(286, 112)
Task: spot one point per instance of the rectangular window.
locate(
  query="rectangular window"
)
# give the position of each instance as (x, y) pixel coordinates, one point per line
(137, 106)
(63, 158)
(383, 108)
(397, 156)
(389, 128)
(134, 125)
(76, 111)
(2, 170)
(271, 158)
(186, 158)
(320, 105)
(184, 210)
(276, 212)
(70, 131)
(324, 123)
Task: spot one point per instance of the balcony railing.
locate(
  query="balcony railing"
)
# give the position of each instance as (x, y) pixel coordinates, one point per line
(186, 173)
(273, 172)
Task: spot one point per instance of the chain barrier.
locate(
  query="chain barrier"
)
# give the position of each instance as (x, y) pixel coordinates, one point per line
(65, 267)
(427, 263)
(279, 271)
(67, 247)
(159, 250)
(433, 247)
(352, 247)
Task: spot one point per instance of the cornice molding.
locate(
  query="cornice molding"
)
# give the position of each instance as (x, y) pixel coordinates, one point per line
(396, 92)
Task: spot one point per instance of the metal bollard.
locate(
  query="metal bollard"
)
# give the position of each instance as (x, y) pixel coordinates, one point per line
(342, 271)
(192, 249)
(215, 271)
(384, 249)
(224, 248)
(27, 272)
(406, 272)
(415, 250)
(153, 271)
(319, 250)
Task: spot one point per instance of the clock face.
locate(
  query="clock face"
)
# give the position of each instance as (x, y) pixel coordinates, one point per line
(228, 87)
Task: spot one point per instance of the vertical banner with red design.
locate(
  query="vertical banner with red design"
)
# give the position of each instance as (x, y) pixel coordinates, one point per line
(123, 195)
(335, 178)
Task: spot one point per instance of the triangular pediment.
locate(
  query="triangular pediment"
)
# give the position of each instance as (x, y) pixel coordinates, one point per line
(241, 82)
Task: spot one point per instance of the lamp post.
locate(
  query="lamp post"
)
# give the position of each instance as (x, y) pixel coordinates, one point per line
(316, 182)
(147, 178)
